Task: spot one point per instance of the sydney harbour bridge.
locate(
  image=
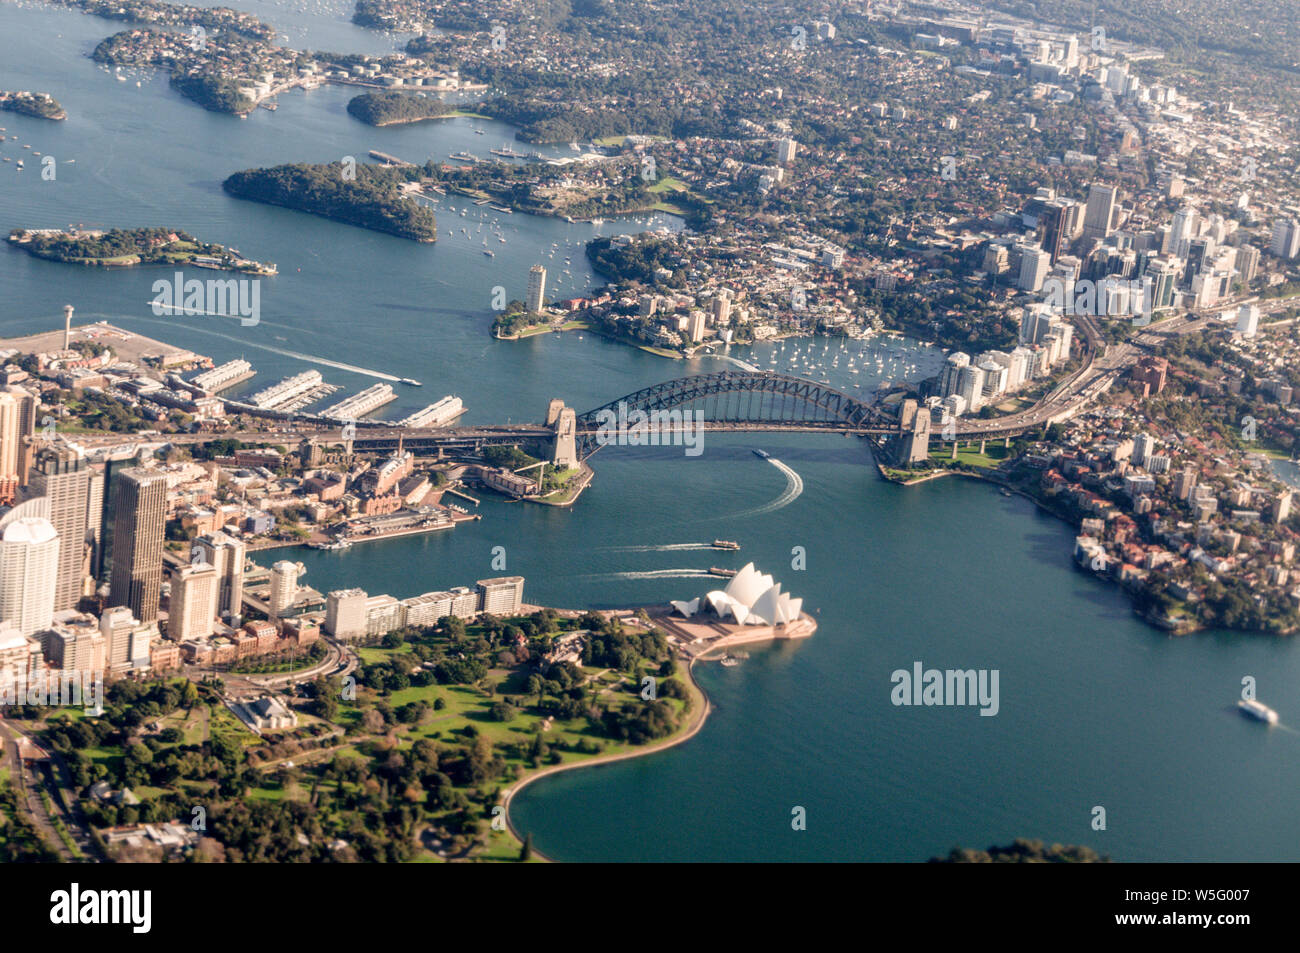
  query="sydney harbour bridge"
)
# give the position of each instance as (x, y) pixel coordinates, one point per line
(724, 401)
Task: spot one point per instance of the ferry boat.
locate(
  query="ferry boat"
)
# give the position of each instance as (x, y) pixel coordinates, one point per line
(411, 381)
(1257, 710)
(725, 544)
(718, 571)
(763, 453)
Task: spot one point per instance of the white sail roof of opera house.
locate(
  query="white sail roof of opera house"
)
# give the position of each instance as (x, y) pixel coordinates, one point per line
(751, 598)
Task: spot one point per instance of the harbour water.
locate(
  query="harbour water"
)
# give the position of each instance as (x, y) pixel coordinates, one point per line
(1096, 709)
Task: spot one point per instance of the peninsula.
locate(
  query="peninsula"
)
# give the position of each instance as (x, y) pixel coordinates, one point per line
(363, 195)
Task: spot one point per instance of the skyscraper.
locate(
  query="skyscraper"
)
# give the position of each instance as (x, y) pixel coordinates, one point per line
(970, 385)
(1101, 210)
(192, 608)
(1247, 263)
(139, 511)
(1034, 266)
(1286, 238)
(1181, 231)
(62, 477)
(284, 586)
(17, 426)
(226, 555)
(29, 563)
(948, 377)
(95, 519)
(1061, 221)
(117, 625)
(536, 288)
(786, 150)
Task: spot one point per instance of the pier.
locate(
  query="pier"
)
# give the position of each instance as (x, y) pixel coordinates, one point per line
(387, 159)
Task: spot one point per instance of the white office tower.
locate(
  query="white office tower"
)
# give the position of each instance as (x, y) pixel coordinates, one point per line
(1181, 232)
(1100, 213)
(1144, 445)
(970, 385)
(995, 379)
(284, 586)
(226, 555)
(1286, 238)
(1020, 367)
(1034, 323)
(1248, 320)
(536, 288)
(786, 150)
(192, 612)
(29, 569)
(1034, 266)
(948, 377)
(1116, 297)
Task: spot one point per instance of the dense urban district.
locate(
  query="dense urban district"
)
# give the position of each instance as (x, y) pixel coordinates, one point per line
(1095, 214)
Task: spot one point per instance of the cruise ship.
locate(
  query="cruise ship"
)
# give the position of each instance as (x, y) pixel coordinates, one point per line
(1258, 711)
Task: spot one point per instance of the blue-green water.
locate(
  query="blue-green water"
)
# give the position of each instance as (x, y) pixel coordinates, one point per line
(1096, 708)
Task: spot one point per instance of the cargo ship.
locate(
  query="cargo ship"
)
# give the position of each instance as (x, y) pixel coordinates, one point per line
(1257, 710)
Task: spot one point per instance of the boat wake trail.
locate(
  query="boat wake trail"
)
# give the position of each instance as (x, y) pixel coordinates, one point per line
(793, 487)
(666, 548)
(653, 574)
(743, 365)
(310, 359)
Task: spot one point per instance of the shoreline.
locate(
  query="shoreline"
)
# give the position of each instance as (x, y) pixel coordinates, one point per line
(1179, 630)
(688, 733)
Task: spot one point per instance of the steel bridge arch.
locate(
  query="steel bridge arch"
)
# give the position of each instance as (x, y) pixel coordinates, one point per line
(846, 413)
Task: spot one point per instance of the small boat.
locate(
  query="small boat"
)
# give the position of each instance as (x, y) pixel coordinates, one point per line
(725, 544)
(717, 571)
(763, 453)
(1257, 710)
(489, 252)
(730, 661)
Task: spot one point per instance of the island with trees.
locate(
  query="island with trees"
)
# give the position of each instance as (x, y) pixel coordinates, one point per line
(367, 196)
(124, 247)
(37, 105)
(390, 109)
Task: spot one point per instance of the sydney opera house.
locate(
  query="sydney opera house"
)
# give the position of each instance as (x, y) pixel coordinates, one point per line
(751, 598)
